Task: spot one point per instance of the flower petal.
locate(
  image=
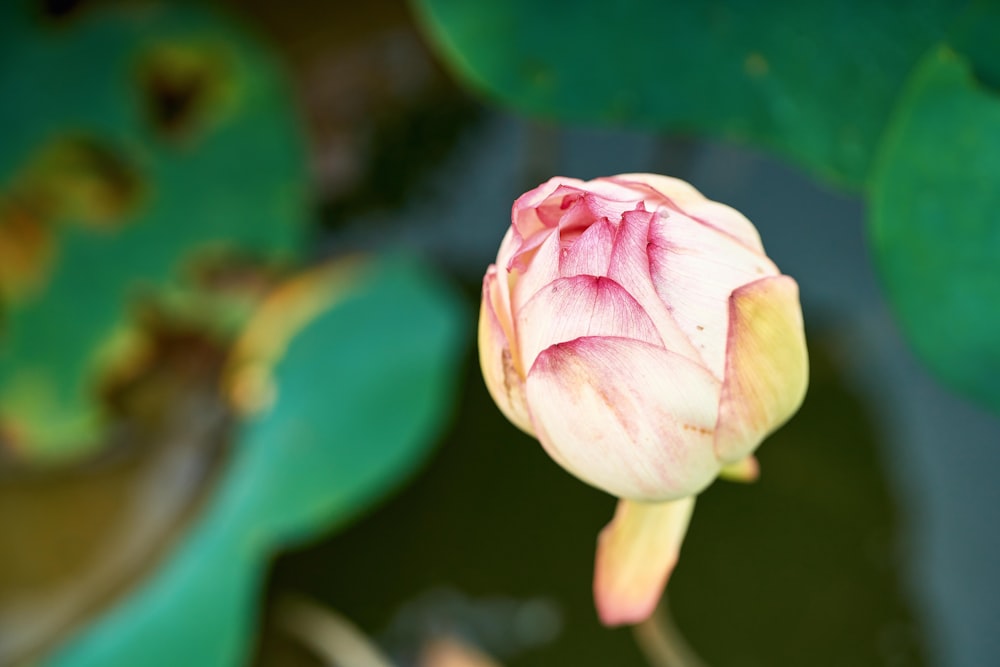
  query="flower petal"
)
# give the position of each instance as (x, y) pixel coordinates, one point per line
(626, 416)
(727, 220)
(630, 267)
(695, 270)
(570, 308)
(524, 213)
(590, 254)
(569, 204)
(497, 359)
(536, 272)
(687, 199)
(636, 554)
(508, 246)
(679, 192)
(501, 291)
(767, 367)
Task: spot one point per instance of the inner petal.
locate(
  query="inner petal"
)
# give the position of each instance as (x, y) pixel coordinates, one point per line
(590, 254)
(578, 306)
(630, 267)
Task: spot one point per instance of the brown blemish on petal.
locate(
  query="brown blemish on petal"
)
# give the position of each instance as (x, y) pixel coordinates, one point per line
(511, 378)
(701, 430)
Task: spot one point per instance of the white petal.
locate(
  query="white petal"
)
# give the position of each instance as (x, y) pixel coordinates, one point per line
(726, 220)
(677, 191)
(613, 189)
(538, 271)
(626, 416)
(767, 366)
(508, 246)
(570, 308)
(636, 553)
(695, 269)
(688, 200)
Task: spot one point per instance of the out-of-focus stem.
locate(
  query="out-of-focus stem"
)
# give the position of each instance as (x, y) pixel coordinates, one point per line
(332, 637)
(662, 643)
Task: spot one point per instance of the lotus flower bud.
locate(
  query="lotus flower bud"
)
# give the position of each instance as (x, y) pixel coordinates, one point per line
(640, 332)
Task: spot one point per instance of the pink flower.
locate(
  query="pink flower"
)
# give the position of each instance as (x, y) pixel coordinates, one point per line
(639, 331)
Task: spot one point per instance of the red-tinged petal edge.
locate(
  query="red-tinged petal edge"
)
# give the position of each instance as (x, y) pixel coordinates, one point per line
(767, 366)
(497, 360)
(626, 416)
(636, 553)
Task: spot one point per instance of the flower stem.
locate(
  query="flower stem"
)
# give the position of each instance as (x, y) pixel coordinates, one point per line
(328, 634)
(661, 641)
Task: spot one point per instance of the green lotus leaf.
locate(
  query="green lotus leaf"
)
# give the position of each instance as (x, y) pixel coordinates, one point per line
(815, 82)
(359, 393)
(138, 142)
(935, 222)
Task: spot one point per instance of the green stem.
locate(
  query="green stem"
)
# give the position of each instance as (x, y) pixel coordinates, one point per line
(662, 643)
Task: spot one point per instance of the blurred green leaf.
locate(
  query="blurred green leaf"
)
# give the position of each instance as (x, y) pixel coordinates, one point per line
(974, 35)
(361, 393)
(936, 222)
(815, 81)
(137, 140)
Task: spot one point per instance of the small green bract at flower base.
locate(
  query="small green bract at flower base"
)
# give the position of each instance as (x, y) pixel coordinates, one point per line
(640, 332)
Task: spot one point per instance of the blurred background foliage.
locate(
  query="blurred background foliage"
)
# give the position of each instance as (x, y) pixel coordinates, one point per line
(240, 254)
(119, 133)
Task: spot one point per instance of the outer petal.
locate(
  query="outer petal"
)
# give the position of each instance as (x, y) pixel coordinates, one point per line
(570, 308)
(685, 198)
(636, 553)
(677, 191)
(496, 358)
(695, 270)
(767, 367)
(727, 220)
(614, 190)
(501, 297)
(508, 246)
(626, 416)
